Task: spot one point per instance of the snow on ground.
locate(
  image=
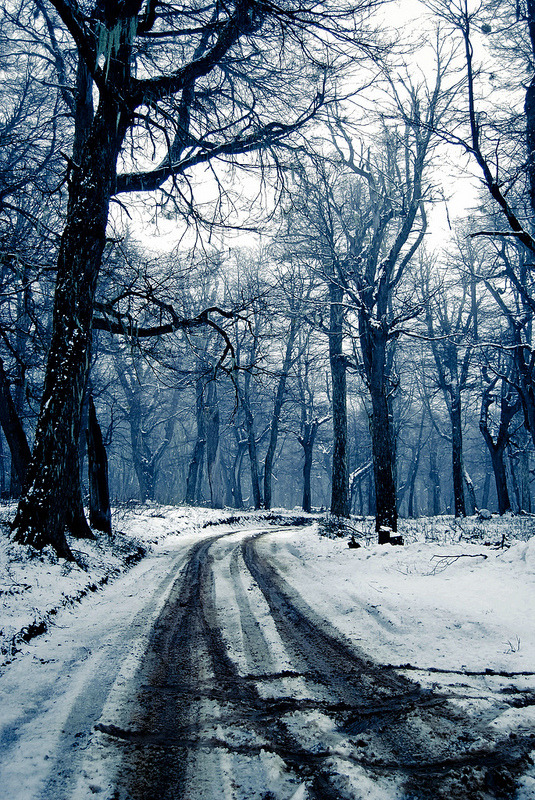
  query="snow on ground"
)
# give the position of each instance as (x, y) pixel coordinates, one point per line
(35, 586)
(449, 603)
(446, 604)
(98, 619)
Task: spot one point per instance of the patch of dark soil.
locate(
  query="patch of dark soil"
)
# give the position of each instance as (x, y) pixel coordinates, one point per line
(31, 631)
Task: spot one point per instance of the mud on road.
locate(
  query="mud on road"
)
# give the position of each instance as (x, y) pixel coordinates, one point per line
(246, 693)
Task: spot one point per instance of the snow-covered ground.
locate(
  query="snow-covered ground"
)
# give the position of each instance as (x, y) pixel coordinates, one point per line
(445, 607)
(36, 586)
(446, 602)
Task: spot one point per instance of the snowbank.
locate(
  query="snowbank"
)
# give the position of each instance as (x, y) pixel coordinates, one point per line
(447, 603)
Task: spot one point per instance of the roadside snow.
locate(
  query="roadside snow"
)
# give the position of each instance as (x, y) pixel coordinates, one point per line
(452, 606)
(439, 609)
(96, 620)
(35, 586)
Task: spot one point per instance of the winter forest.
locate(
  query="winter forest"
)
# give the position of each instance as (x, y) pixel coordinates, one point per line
(266, 255)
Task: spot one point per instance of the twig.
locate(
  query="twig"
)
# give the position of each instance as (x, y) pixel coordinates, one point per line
(470, 672)
(446, 561)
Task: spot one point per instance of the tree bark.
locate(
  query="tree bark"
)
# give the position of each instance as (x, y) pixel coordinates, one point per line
(470, 494)
(373, 342)
(195, 469)
(99, 496)
(412, 510)
(383, 464)
(277, 408)
(213, 461)
(340, 472)
(236, 470)
(253, 458)
(243, 395)
(509, 406)
(42, 514)
(13, 430)
(457, 457)
(434, 480)
(529, 109)
(500, 478)
(306, 441)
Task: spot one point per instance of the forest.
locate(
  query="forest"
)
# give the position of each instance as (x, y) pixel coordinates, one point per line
(259, 255)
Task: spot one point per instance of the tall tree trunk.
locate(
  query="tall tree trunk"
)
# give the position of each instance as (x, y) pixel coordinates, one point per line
(13, 430)
(529, 109)
(213, 461)
(486, 489)
(307, 472)
(140, 456)
(236, 471)
(510, 404)
(470, 495)
(275, 417)
(99, 496)
(514, 479)
(434, 480)
(386, 515)
(415, 462)
(42, 514)
(243, 394)
(500, 478)
(373, 342)
(75, 518)
(340, 470)
(306, 441)
(253, 459)
(3, 489)
(497, 456)
(195, 469)
(457, 457)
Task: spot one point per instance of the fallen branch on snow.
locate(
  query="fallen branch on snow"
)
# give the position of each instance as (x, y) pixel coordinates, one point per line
(446, 561)
(495, 672)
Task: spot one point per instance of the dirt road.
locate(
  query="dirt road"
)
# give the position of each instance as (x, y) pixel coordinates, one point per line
(245, 693)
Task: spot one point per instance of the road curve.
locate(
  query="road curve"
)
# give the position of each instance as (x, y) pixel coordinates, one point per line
(244, 693)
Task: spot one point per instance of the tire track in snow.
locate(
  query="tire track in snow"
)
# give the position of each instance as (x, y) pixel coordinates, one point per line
(297, 712)
(435, 749)
(202, 728)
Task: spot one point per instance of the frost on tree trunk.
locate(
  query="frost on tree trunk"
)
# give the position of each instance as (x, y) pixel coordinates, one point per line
(42, 512)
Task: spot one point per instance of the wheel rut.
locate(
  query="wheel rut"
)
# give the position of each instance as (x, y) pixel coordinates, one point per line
(327, 723)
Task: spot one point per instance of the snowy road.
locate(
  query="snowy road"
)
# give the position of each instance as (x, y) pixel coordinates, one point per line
(206, 676)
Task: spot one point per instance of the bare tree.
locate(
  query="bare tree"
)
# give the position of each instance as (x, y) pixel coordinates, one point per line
(204, 94)
(496, 433)
(383, 219)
